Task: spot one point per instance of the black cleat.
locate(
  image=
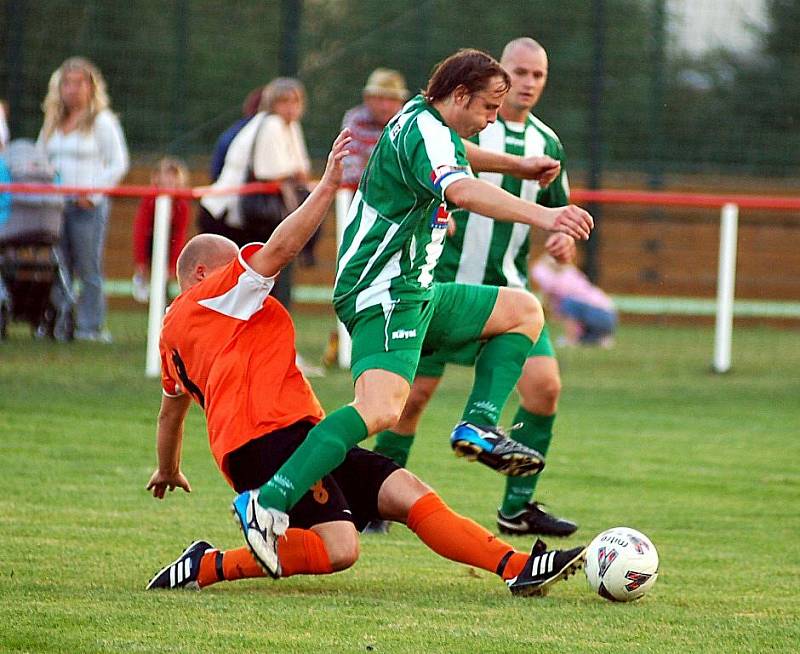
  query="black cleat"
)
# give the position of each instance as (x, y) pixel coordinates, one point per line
(543, 569)
(533, 519)
(379, 527)
(490, 446)
(182, 572)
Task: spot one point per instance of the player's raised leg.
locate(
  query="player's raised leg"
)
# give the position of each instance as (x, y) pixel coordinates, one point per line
(509, 320)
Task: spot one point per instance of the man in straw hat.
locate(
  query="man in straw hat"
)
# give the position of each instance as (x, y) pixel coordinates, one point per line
(384, 95)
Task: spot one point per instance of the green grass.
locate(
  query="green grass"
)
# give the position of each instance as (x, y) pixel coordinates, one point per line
(708, 466)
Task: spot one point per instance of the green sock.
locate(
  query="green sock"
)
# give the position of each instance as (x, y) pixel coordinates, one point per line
(497, 370)
(396, 446)
(323, 450)
(536, 432)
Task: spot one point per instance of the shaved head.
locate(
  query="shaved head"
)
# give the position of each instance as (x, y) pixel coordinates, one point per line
(207, 252)
(522, 42)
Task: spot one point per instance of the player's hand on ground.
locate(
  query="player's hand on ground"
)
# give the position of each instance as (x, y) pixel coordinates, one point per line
(160, 482)
(335, 166)
(572, 221)
(543, 169)
(561, 247)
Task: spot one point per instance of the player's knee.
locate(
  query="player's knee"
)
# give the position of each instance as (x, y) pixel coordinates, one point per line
(528, 316)
(383, 418)
(401, 490)
(541, 396)
(344, 549)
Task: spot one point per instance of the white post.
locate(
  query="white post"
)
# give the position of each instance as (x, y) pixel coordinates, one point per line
(344, 196)
(726, 282)
(158, 282)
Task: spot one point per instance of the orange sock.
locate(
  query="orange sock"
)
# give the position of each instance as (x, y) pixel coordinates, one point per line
(301, 551)
(460, 539)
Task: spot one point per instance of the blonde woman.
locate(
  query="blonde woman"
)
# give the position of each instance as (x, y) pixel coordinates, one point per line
(85, 143)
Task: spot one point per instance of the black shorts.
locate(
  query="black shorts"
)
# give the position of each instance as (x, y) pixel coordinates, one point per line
(350, 492)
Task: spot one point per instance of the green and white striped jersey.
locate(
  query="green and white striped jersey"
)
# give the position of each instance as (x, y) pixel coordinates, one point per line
(484, 251)
(395, 227)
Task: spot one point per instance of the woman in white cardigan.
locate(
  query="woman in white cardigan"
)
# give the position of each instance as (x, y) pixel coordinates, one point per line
(85, 143)
(272, 143)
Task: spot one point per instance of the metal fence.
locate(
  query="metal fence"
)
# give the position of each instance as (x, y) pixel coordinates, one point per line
(651, 86)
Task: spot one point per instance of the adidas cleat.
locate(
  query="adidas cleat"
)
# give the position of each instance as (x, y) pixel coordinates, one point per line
(261, 528)
(543, 569)
(533, 519)
(493, 448)
(182, 572)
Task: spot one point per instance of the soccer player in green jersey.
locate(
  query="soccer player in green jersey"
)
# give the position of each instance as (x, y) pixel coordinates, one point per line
(385, 295)
(483, 251)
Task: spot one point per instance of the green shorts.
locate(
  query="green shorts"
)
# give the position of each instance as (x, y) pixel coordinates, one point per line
(433, 365)
(393, 336)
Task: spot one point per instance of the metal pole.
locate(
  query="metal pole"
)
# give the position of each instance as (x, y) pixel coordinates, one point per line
(15, 38)
(591, 263)
(291, 11)
(180, 86)
(726, 283)
(158, 282)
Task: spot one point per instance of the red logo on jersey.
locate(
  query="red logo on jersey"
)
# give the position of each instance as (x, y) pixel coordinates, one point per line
(439, 217)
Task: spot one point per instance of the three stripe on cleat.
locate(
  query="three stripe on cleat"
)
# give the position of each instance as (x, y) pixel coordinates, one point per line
(179, 571)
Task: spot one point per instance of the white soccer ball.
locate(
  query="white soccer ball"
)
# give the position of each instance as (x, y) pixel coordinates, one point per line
(621, 564)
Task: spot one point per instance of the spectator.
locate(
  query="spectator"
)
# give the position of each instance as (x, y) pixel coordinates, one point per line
(588, 313)
(85, 143)
(249, 109)
(170, 174)
(384, 95)
(273, 146)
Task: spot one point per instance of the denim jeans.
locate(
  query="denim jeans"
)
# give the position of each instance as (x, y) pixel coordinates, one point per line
(596, 322)
(82, 244)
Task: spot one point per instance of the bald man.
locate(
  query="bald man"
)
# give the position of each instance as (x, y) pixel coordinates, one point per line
(483, 251)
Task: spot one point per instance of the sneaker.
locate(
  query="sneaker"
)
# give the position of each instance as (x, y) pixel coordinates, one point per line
(492, 447)
(182, 572)
(140, 289)
(261, 528)
(103, 336)
(543, 569)
(533, 519)
(379, 527)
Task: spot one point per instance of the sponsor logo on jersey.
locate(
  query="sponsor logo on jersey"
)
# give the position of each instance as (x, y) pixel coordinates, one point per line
(604, 560)
(513, 140)
(401, 334)
(439, 217)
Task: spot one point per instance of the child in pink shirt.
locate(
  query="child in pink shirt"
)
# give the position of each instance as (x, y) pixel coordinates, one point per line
(169, 173)
(588, 313)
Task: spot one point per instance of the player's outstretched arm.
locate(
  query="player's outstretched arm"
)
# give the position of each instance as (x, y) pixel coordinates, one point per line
(293, 233)
(544, 169)
(169, 437)
(489, 200)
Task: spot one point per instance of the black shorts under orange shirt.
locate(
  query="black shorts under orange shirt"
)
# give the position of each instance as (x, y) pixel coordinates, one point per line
(232, 347)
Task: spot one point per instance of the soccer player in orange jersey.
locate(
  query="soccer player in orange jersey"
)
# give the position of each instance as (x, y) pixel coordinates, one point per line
(229, 346)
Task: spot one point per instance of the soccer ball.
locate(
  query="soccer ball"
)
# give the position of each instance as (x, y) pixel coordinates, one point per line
(621, 564)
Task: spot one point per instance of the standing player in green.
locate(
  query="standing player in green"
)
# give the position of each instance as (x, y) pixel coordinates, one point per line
(483, 251)
(386, 297)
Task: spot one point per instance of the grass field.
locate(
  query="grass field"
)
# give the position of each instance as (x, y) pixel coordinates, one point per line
(707, 466)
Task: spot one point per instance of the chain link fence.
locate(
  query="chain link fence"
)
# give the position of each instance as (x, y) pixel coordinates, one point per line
(652, 86)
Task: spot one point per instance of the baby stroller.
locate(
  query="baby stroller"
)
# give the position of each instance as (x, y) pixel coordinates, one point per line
(33, 281)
